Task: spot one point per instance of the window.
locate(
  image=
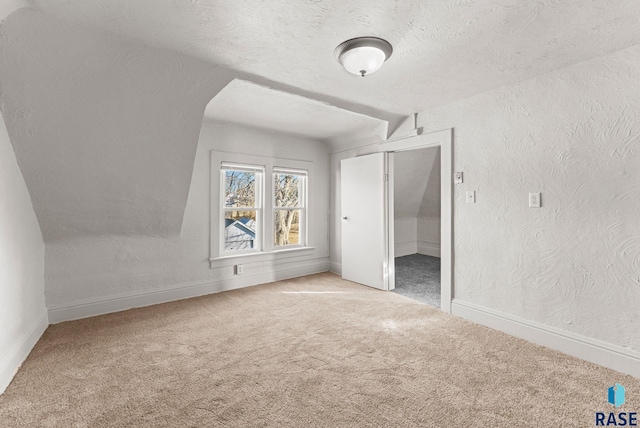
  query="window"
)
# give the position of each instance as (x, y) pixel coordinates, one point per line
(289, 214)
(259, 205)
(242, 209)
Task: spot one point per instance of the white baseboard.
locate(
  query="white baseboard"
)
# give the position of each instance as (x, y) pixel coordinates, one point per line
(429, 248)
(593, 350)
(336, 268)
(405, 248)
(13, 359)
(122, 302)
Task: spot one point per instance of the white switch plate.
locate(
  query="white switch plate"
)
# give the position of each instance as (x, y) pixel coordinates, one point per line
(534, 200)
(457, 177)
(471, 197)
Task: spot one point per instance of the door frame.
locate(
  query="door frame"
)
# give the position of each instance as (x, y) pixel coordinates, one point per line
(444, 140)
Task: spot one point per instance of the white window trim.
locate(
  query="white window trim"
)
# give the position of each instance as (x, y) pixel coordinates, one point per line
(260, 176)
(303, 175)
(267, 224)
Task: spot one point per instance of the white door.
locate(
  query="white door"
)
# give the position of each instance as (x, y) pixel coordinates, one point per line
(364, 205)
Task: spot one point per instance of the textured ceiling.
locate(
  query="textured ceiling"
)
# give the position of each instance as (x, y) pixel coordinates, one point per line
(444, 50)
(105, 130)
(7, 7)
(104, 99)
(249, 104)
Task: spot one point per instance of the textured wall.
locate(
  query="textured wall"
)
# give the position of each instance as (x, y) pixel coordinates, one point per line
(574, 135)
(21, 262)
(105, 130)
(95, 268)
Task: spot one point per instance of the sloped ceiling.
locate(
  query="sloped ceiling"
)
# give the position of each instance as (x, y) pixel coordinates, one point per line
(444, 50)
(412, 170)
(104, 99)
(246, 103)
(7, 7)
(105, 130)
(430, 206)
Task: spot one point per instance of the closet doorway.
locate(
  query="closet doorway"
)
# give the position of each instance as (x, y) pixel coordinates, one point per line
(426, 242)
(417, 223)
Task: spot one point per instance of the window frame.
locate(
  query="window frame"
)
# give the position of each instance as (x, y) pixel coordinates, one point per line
(258, 207)
(302, 205)
(266, 223)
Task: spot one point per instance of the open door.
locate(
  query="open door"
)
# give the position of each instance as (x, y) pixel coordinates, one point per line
(365, 232)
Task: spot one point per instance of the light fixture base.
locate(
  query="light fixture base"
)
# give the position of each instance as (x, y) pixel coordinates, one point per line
(363, 55)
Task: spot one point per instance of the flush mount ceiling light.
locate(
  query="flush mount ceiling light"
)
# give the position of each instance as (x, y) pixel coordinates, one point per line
(363, 55)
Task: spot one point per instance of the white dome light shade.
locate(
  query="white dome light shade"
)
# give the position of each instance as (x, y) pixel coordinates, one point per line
(364, 60)
(363, 55)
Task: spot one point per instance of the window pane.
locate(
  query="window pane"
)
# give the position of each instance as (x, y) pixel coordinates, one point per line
(287, 190)
(239, 188)
(287, 228)
(240, 230)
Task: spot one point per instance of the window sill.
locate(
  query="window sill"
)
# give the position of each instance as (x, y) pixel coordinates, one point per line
(260, 256)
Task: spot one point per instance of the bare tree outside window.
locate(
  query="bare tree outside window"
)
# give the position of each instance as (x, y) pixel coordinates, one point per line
(287, 221)
(240, 210)
(262, 207)
(240, 191)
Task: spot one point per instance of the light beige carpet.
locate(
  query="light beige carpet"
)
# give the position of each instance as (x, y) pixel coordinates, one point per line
(307, 352)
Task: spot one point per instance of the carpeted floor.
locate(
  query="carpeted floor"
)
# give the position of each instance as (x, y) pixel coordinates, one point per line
(418, 277)
(309, 352)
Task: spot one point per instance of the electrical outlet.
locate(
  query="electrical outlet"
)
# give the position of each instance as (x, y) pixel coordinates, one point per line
(239, 269)
(457, 177)
(471, 197)
(534, 200)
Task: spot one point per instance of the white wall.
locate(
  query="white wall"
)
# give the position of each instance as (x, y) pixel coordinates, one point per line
(568, 274)
(573, 135)
(405, 236)
(428, 221)
(411, 173)
(23, 316)
(428, 236)
(96, 275)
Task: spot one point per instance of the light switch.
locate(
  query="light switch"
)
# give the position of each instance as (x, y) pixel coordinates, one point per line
(471, 197)
(534, 200)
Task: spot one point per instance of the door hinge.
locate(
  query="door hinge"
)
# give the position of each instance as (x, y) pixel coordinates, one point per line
(386, 177)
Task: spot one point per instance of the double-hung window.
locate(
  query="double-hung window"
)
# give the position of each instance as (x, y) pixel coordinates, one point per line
(241, 207)
(259, 205)
(289, 206)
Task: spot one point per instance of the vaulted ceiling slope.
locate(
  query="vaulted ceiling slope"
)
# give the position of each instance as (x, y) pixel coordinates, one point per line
(7, 7)
(412, 170)
(105, 129)
(246, 103)
(444, 50)
(104, 99)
